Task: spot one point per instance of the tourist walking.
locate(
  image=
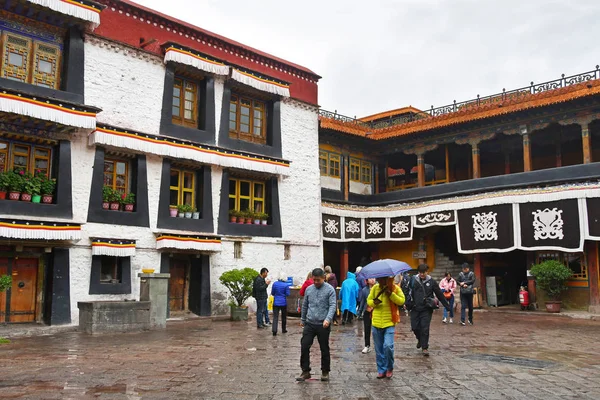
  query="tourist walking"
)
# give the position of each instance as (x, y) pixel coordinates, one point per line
(423, 288)
(466, 280)
(349, 296)
(332, 280)
(280, 292)
(259, 292)
(318, 310)
(365, 312)
(384, 299)
(447, 285)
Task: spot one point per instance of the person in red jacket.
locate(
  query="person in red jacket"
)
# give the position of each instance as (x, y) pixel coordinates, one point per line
(309, 281)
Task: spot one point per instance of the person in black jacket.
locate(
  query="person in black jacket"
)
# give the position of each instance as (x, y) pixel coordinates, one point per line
(466, 280)
(423, 288)
(259, 292)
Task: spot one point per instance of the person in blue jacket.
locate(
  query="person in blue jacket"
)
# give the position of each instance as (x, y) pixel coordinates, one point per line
(349, 296)
(280, 292)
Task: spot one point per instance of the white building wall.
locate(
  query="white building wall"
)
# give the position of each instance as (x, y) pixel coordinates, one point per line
(360, 188)
(328, 182)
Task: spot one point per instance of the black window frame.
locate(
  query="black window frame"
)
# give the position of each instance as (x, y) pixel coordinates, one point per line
(98, 287)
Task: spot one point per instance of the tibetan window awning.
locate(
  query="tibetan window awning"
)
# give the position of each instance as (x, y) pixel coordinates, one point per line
(81, 9)
(113, 247)
(443, 218)
(195, 59)
(486, 229)
(48, 110)
(351, 229)
(188, 242)
(165, 146)
(24, 229)
(260, 82)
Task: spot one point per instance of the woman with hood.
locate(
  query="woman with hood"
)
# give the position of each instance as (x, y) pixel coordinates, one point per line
(349, 296)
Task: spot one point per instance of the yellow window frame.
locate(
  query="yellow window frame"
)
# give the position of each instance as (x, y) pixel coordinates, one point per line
(235, 116)
(334, 165)
(4, 152)
(115, 161)
(15, 153)
(365, 172)
(253, 199)
(181, 189)
(47, 158)
(354, 169)
(323, 162)
(182, 84)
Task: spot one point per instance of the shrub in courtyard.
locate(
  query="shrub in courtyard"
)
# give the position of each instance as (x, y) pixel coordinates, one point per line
(239, 283)
(552, 276)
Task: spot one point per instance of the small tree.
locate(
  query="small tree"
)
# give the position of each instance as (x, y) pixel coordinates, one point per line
(239, 283)
(5, 282)
(552, 276)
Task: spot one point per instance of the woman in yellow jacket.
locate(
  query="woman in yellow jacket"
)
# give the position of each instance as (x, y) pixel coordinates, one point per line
(384, 300)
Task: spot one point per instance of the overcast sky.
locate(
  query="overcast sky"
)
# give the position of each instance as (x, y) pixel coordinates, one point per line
(383, 54)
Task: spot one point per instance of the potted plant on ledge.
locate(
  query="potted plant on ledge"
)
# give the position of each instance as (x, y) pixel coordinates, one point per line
(115, 200)
(233, 216)
(106, 196)
(47, 188)
(36, 188)
(128, 201)
(28, 187)
(551, 276)
(263, 218)
(3, 184)
(249, 214)
(173, 211)
(15, 185)
(239, 283)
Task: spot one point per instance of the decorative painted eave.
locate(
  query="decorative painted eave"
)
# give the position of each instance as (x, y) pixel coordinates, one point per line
(48, 110)
(184, 55)
(113, 247)
(261, 82)
(165, 146)
(85, 10)
(25, 229)
(188, 242)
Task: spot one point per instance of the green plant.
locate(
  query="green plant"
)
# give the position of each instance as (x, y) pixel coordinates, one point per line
(32, 185)
(185, 208)
(48, 185)
(239, 283)
(552, 276)
(262, 216)
(4, 181)
(234, 213)
(5, 282)
(110, 195)
(249, 213)
(15, 181)
(128, 198)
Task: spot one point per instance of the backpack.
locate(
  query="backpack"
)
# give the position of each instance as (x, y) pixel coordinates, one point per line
(428, 296)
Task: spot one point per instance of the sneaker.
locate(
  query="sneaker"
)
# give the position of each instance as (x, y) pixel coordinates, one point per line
(366, 350)
(389, 374)
(451, 321)
(380, 376)
(425, 352)
(267, 323)
(418, 344)
(304, 376)
(284, 331)
(462, 323)
(444, 320)
(470, 322)
(324, 376)
(260, 327)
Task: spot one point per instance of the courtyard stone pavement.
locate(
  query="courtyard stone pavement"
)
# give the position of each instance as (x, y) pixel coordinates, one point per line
(503, 356)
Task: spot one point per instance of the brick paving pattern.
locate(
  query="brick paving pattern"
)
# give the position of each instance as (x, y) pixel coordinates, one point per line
(503, 356)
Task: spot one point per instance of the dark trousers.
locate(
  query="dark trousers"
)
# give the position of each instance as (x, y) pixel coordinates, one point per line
(308, 337)
(466, 300)
(276, 310)
(420, 320)
(367, 327)
(347, 317)
(261, 309)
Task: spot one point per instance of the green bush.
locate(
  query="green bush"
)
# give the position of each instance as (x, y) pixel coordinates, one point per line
(551, 276)
(5, 282)
(239, 283)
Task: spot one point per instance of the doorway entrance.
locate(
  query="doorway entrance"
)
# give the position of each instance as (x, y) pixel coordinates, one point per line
(179, 284)
(19, 303)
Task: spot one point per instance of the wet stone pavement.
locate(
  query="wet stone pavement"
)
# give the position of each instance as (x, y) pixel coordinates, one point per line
(501, 357)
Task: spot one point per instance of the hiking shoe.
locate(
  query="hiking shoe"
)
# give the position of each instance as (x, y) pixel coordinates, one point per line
(451, 321)
(366, 350)
(426, 352)
(324, 376)
(304, 376)
(462, 323)
(389, 374)
(418, 344)
(444, 321)
(380, 376)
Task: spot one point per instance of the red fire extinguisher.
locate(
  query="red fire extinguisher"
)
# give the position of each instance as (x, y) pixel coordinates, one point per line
(524, 298)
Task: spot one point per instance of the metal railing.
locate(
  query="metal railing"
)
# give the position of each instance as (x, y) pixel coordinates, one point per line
(515, 94)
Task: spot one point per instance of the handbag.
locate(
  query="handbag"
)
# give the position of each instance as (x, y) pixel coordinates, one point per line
(432, 303)
(448, 295)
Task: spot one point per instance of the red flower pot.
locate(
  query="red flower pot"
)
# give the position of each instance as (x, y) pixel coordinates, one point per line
(233, 219)
(25, 197)
(14, 195)
(115, 206)
(105, 205)
(2, 195)
(553, 306)
(248, 221)
(129, 207)
(241, 220)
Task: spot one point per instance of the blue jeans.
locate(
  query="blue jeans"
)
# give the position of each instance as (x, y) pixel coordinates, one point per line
(384, 348)
(451, 302)
(261, 310)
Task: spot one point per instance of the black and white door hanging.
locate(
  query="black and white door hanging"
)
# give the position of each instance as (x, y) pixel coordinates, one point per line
(554, 225)
(488, 229)
(353, 228)
(332, 228)
(593, 218)
(443, 218)
(401, 228)
(375, 229)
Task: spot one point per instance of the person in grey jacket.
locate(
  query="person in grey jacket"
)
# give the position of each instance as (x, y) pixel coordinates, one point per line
(466, 280)
(318, 309)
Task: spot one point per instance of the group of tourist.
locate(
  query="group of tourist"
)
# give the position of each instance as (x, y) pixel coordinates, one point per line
(376, 301)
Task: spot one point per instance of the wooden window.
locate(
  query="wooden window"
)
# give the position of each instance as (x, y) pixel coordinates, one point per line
(3, 156)
(575, 261)
(111, 270)
(183, 187)
(116, 175)
(323, 160)
(20, 157)
(334, 165)
(185, 102)
(41, 160)
(365, 172)
(354, 169)
(30, 61)
(248, 119)
(246, 194)
(25, 157)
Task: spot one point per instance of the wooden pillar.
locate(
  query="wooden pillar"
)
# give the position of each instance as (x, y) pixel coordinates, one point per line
(346, 160)
(447, 165)
(476, 165)
(344, 263)
(593, 275)
(422, 246)
(587, 145)
(506, 162)
(376, 180)
(479, 278)
(526, 153)
(421, 170)
(558, 153)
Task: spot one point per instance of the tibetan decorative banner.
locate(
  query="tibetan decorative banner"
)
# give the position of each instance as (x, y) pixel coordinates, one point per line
(85, 10)
(332, 229)
(261, 82)
(486, 229)
(113, 247)
(19, 229)
(187, 242)
(553, 225)
(442, 218)
(353, 229)
(593, 218)
(165, 146)
(375, 229)
(194, 59)
(401, 228)
(47, 110)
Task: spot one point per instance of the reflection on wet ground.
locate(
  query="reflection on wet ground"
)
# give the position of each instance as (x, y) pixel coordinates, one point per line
(501, 356)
